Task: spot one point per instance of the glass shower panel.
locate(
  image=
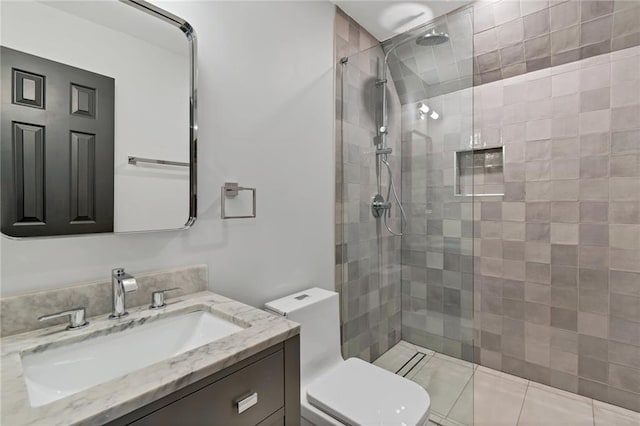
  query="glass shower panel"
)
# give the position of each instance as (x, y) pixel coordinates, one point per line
(369, 254)
(437, 246)
(407, 300)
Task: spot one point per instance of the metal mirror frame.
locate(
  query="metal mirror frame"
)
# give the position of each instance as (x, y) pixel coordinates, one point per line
(190, 34)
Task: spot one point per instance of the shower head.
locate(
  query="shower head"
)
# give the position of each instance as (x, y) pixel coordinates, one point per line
(432, 38)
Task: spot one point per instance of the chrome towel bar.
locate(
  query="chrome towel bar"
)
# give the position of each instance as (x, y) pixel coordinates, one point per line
(231, 190)
(135, 160)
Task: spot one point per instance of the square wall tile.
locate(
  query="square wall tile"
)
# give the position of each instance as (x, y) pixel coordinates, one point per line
(536, 24)
(596, 8)
(563, 15)
(564, 233)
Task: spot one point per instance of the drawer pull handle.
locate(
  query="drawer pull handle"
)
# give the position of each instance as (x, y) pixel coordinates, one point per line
(245, 403)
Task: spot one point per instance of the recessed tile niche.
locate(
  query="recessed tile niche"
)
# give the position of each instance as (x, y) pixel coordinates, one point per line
(480, 172)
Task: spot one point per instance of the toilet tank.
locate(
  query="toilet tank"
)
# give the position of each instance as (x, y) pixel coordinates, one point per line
(318, 313)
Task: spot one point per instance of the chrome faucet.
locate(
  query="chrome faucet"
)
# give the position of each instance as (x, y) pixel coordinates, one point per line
(122, 283)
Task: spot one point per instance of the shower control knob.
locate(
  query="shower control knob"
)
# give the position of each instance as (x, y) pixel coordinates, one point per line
(379, 206)
(383, 129)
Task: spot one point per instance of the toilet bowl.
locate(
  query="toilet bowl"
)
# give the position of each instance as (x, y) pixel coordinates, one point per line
(335, 391)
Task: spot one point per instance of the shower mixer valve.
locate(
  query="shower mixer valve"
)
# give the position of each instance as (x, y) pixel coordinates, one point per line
(379, 206)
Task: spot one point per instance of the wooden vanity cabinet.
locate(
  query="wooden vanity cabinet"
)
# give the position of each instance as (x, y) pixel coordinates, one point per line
(273, 376)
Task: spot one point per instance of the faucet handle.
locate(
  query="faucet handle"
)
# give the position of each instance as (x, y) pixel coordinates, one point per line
(157, 298)
(129, 284)
(76, 318)
(128, 281)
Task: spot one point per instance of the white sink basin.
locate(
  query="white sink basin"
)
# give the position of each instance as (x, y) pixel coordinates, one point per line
(59, 372)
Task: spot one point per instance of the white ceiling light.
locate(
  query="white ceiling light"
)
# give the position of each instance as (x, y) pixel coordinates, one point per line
(423, 110)
(385, 19)
(400, 17)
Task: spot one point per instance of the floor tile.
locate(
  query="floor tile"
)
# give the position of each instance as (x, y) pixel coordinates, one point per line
(490, 399)
(436, 418)
(554, 408)
(462, 411)
(507, 376)
(561, 393)
(607, 415)
(416, 347)
(444, 380)
(454, 360)
(450, 422)
(494, 398)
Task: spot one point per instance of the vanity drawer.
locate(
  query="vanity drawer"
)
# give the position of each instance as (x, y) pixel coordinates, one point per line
(217, 403)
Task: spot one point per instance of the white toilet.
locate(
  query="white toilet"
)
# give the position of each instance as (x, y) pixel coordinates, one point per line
(338, 392)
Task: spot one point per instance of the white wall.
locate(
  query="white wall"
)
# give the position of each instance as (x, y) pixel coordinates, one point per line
(265, 120)
(157, 80)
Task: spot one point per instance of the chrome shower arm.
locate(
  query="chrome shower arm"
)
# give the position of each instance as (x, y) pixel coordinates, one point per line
(383, 127)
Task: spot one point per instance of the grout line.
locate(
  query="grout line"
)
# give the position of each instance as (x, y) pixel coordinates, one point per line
(593, 412)
(523, 401)
(458, 397)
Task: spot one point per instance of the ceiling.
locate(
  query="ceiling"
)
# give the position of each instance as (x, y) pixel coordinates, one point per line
(385, 19)
(123, 18)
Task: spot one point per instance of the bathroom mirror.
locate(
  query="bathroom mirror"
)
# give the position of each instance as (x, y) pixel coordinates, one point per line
(98, 118)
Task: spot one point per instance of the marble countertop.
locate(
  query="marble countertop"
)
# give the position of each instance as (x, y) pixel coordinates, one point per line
(110, 400)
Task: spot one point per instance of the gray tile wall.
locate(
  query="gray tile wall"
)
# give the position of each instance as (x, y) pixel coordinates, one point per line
(367, 256)
(557, 259)
(513, 37)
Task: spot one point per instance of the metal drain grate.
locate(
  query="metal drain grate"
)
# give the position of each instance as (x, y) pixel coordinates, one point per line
(408, 366)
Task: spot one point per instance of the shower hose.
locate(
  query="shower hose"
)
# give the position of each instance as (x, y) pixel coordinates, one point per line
(392, 188)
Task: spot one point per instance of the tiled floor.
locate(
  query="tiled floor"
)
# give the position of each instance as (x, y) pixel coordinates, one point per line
(466, 394)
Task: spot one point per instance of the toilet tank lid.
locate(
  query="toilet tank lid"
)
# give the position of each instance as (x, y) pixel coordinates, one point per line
(293, 302)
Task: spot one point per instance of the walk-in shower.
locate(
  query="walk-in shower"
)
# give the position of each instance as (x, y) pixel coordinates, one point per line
(380, 205)
(514, 167)
(404, 259)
